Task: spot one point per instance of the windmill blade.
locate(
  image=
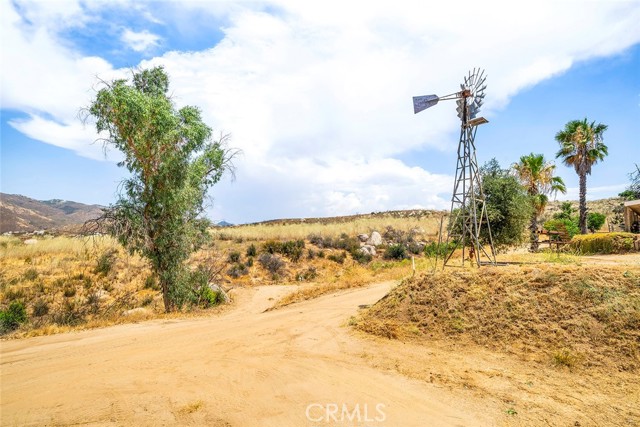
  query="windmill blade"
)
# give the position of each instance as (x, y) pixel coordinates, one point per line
(423, 102)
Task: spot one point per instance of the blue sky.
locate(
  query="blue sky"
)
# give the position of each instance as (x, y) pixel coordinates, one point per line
(318, 96)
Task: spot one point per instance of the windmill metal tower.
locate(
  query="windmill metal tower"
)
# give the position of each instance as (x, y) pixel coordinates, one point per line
(468, 208)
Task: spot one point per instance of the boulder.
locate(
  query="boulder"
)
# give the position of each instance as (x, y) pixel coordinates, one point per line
(368, 249)
(375, 239)
(30, 241)
(222, 295)
(363, 237)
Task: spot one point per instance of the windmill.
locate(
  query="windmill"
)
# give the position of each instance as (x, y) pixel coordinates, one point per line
(468, 208)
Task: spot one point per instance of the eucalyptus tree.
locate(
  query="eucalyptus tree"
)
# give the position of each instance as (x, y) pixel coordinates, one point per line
(537, 177)
(173, 161)
(581, 146)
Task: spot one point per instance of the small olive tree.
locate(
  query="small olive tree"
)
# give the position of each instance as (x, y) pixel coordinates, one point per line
(172, 161)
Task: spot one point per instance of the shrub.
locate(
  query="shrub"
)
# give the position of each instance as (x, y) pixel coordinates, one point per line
(308, 274)
(439, 249)
(71, 313)
(238, 270)
(234, 257)
(31, 274)
(292, 249)
(69, 291)
(249, 262)
(12, 317)
(272, 263)
(105, 262)
(395, 252)
(361, 256)
(604, 243)
(338, 257)
(40, 308)
(595, 221)
(251, 250)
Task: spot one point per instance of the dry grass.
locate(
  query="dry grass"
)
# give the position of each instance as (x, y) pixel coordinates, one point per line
(571, 315)
(426, 221)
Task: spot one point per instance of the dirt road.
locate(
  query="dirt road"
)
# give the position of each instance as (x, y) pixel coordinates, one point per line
(297, 366)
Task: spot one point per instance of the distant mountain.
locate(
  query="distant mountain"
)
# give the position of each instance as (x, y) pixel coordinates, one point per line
(223, 223)
(20, 213)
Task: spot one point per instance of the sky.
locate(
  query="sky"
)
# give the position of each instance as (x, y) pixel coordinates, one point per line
(318, 95)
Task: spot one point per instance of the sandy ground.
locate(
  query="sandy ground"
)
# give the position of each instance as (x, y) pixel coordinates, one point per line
(297, 366)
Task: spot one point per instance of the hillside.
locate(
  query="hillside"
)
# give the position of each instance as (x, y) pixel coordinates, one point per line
(20, 213)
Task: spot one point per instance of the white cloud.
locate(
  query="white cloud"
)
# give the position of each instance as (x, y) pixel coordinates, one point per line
(139, 41)
(318, 95)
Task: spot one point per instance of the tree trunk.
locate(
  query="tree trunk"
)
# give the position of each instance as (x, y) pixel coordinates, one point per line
(533, 228)
(583, 203)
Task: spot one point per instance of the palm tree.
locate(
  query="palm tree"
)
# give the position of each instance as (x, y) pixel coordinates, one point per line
(537, 177)
(581, 146)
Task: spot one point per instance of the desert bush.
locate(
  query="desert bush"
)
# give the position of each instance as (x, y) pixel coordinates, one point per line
(272, 263)
(309, 274)
(70, 314)
(12, 317)
(361, 256)
(604, 243)
(251, 250)
(105, 262)
(69, 291)
(40, 308)
(397, 251)
(30, 275)
(338, 257)
(237, 270)
(292, 249)
(234, 257)
(249, 262)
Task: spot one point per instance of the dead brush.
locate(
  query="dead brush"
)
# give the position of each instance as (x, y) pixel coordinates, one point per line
(535, 308)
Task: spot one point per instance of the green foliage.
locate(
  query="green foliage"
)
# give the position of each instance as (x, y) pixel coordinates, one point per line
(595, 221)
(105, 262)
(338, 257)
(581, 147)
(604, 243)
(537, 177)
(571, 225)
(434, 249)
(12, 317)
(234, 257)
(292, 249)
(508, 206)
(172, 162)
(397, 251)
(566, 211)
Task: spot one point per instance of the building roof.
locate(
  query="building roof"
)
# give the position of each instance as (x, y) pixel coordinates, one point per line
(634, 205)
